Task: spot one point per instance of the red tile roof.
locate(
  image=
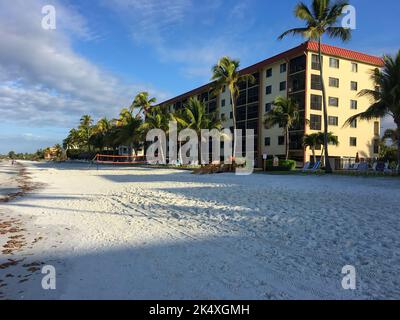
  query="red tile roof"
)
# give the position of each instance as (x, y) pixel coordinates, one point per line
(306, 46)
(345, 53)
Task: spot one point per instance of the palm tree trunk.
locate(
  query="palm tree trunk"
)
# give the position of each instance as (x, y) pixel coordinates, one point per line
(130, 151)
(314, 155)
(322, 156)
(287, 142)
(234, 124)
(398, 148)
(328, 168)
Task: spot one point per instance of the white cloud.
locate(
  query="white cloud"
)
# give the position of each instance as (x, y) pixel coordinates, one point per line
(197, 59)
(152, 18)
(167, 27)
(43, 80)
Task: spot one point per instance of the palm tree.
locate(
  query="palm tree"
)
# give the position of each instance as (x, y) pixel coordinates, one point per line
(385, 98)
(127, 130)
(85, 130)
(194, 116)
(226, 74)
(285, 114)
(321, 19)
(103, 126)
(158, 118)
(125, 115)
(393, 135)
(332, 140)
(100, 132)
(312, 141)
(73, 140)
(143, 103)
(174, 116)
(58, 151)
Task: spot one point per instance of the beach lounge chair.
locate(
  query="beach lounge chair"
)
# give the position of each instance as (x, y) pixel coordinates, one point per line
(316, 167)
(306, 166)
(354, 166)
(380, 167)
(363, 167)
(383, 167)
(387, 168)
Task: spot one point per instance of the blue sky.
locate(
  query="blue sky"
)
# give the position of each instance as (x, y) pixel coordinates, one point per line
(103, 52)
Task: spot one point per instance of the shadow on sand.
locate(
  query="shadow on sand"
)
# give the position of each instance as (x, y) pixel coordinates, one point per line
(191, 269)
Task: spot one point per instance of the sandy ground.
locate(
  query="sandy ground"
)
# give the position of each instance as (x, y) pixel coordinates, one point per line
(135, 233)
(8, 180)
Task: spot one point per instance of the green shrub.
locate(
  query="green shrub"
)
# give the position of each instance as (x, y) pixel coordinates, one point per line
(284, 165)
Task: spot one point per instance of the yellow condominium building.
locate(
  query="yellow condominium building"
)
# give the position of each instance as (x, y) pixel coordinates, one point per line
(295, 74)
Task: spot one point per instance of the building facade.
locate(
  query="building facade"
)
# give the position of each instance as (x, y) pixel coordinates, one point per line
(295, 74)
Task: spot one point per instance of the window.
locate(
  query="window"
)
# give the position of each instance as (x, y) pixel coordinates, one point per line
(315, 62)
(283, 67)
(231, 115)
(353, 142)
(334, 63)
(376, 146)
(242, 98)
(268, 90)
(223, 103)
(353, 124)
(316, 102)
(334, 102)
(333, 121)
(252, 95)
(267, 141)
(281, 140)
(354, 86)
(269, 73)
(268, 107)
(354, 67)
(315, 122)
(282, 86)
(241, 113)
(316, 82)
(252, 111)
(377, 128)
(224, 89)
(353, 104)
(334, 82)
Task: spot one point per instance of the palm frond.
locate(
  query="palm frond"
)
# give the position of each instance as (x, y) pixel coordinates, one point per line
(303, 12)
(294, 32)
(339, 32)
(377, 110)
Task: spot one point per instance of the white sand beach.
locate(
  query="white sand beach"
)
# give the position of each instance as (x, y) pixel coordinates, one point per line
(136, 233)
(8, 179)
